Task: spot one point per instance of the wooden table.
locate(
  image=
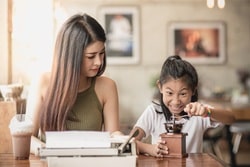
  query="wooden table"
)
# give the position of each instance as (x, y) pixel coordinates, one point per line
(193, 160)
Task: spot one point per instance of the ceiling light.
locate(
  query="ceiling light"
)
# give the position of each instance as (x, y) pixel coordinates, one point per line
(220, 3)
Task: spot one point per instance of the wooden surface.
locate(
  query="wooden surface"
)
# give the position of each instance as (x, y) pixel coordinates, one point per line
(193, 160)
(7, 160)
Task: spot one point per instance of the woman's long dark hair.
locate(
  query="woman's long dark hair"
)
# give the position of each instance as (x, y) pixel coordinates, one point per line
(76, 34)
(174, 68)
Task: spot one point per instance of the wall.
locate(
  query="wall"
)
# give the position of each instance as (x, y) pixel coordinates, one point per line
(135, 92)
(32, 36)
(3, 41)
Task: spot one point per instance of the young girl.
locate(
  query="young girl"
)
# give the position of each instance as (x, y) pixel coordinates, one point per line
(178, 84)
(74, 95)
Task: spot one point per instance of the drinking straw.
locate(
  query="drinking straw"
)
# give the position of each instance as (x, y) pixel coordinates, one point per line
(21, 112)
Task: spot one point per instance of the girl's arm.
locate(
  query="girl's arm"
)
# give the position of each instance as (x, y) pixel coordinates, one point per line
(155, 150)
(222, 115)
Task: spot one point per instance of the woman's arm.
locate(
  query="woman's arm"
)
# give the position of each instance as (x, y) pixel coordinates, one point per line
(34, 101)
(107, 93)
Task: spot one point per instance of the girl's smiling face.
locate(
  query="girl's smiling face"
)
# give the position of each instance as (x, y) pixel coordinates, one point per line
(176, 94)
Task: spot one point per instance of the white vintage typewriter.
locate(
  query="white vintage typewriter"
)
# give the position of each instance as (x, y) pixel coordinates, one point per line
(88, 148)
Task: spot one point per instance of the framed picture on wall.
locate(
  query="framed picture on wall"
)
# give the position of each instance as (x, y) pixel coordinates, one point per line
(121, 24)
(198, 42)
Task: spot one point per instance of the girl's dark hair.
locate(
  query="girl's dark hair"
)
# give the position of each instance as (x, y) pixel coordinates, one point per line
(174, 68)
(78, 32)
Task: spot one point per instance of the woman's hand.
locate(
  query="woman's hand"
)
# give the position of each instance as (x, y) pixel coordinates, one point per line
(196, 109)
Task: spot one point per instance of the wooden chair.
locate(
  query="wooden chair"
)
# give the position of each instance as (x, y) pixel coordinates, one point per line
(238, 129)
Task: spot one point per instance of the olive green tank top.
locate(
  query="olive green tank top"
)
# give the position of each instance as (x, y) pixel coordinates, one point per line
(87, 113)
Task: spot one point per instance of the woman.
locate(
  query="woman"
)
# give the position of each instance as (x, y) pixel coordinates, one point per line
(74, 95)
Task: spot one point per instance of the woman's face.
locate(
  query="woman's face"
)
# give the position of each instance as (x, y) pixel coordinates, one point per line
(176, 95)
(93, 57)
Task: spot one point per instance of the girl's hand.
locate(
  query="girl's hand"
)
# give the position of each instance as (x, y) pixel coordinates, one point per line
(196, 109)
(159, 150)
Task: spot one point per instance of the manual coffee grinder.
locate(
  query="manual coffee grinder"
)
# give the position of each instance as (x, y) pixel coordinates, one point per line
(175, 139)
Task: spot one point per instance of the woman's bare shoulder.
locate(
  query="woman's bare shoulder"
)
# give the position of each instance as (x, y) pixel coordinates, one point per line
(105, 86)
(105, 81)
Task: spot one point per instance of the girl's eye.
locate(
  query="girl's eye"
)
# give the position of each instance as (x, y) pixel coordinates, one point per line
(169, 93)
(183, 94)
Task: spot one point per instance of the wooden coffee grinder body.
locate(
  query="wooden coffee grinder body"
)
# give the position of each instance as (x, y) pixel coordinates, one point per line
(176, 143)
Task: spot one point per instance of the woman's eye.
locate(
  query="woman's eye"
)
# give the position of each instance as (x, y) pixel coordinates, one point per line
(102, 53)
(91, 57)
